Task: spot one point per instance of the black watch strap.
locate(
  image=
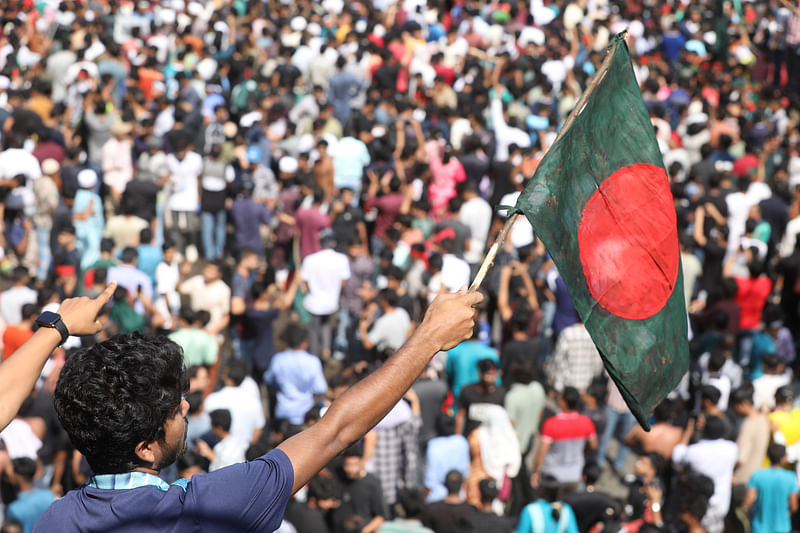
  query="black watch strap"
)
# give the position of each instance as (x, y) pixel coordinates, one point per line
(48, 319)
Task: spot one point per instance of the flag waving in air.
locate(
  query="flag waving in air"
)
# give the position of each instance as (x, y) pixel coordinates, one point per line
(600, 201)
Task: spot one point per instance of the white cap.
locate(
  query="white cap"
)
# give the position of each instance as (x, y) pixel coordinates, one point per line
(298, 24)
(87, 178)
(314, 29)
(50, 166)
(287, 165)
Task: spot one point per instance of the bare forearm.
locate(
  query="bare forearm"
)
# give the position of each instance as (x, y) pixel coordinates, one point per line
(358, 409)
(19, 373)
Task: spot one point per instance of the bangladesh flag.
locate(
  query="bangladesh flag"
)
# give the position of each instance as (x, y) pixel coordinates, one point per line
(600, 201)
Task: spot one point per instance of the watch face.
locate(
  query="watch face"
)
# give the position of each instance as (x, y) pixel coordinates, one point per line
(48, 318)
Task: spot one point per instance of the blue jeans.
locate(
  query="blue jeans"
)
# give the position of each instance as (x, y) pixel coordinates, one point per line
(45, 254)
(212, 227)
(618, 424)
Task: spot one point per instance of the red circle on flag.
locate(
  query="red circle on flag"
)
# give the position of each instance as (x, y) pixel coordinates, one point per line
(628, 242)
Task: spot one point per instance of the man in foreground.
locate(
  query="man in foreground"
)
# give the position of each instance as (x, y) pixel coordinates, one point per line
(121, 403)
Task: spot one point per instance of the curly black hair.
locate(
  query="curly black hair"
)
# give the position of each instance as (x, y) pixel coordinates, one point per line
(118, 393)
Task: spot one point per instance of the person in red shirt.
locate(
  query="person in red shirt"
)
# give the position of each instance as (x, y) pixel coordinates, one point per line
(15, 335)
(564, 436)
(751, 295)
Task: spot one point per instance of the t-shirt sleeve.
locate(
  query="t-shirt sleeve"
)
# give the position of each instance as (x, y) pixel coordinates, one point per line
(251, 496)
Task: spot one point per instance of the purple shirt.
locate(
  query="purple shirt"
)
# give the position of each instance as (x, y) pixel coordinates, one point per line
(248, 215)
(248, 496)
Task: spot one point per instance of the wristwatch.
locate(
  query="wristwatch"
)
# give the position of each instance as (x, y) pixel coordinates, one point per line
(656, 507)
(48, 319)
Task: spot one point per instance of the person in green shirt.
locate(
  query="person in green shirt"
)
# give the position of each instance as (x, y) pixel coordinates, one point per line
(199, 346)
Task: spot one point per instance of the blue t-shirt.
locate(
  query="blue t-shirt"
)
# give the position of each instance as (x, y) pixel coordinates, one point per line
(248, 496)
(149, 258)
(462, 363)
(29, 506)
(771, 508)
(538, 516)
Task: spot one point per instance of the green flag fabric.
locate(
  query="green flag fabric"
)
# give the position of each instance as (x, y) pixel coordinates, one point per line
(600, 201)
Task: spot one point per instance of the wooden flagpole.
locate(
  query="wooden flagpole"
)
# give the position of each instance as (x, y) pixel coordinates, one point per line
(488, 261)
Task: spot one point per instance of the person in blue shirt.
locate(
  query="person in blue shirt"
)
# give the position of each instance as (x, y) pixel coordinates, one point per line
(461, 367)
(121, 403)
(772, 494)
(31, 502)
(149, 255)
(296, 375)
(547, 514)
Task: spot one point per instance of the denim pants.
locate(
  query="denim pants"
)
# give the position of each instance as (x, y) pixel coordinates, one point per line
(618, 424)
(45, 254)
(212, 226)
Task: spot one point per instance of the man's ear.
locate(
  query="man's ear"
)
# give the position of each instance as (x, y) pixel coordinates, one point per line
(146, 452)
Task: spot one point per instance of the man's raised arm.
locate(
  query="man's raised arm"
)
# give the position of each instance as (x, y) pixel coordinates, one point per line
(19, 373)
(448, 321)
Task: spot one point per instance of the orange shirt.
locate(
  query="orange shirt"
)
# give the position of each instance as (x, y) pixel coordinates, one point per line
(13, 338)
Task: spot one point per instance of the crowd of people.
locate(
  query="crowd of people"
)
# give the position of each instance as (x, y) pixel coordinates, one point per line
(283, 188)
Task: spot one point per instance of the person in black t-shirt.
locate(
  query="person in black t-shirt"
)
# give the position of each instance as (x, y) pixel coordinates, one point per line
(312, 516)
(362, 505)
(486, 519)
(451, 514)
(484, 391)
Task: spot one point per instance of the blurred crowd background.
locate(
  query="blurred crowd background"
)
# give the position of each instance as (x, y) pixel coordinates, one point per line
(283, 187)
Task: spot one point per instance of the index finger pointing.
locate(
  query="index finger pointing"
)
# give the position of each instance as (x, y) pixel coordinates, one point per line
(106, 295)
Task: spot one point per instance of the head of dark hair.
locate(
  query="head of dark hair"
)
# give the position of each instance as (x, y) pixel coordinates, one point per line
(719, 319)
(488, 490)
(390, 297)
(756, 268)
(195, 398)
(411, 501)
(237, 370)
(710, 393)
(189, 460)
(591, 473)
(784, 394)
(107, 244)
(775, 453)
(716, 360)
(322, 488)
(20, 273)
(202, 317)
(715, 428)
(453, 481)
(571, 397)
(742, 395)
(445, 425)
(25, 467)
(220, 418)
(118, 393)
(295, 335)
(145, 236)
(129, 255)
(663, 411)
(256, 450)
(29, 311)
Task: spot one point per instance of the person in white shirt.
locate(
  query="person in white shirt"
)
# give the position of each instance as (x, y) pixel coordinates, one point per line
(247, 415)
(12, 300)
(323, 274)
(184, 168)
(118, 160)
(476, 213)
(505, 134)
(715, 457)
(229, 450)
